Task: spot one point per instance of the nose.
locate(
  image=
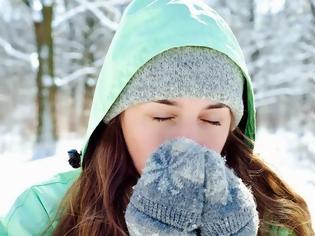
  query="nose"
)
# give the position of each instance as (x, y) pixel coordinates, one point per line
(190, 130)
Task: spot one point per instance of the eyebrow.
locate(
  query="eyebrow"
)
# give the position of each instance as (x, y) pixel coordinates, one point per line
(173, 103)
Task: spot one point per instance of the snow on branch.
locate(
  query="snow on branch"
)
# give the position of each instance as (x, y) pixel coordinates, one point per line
(78, 74)
(99, 14)
(14, 52)
(279, 92)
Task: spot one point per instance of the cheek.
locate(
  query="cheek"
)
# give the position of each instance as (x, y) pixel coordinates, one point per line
(217, 140)
(218, 137)
(141, 143)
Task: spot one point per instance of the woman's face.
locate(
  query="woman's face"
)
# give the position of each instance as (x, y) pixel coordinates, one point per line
(147, 125)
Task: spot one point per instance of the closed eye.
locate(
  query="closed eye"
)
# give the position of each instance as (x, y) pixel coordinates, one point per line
(162, 119)
(217, 123)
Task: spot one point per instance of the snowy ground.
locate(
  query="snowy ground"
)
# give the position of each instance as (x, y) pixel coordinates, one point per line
(292, 157)
(17, 172)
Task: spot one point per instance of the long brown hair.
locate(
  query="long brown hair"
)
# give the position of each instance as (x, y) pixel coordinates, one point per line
(96, 202)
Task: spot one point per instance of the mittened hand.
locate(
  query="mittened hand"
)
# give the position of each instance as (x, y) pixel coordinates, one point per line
(167, 199)
(229, 207)
(185, 186)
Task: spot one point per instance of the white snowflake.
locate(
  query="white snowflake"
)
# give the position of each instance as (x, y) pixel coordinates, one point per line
(172, 165)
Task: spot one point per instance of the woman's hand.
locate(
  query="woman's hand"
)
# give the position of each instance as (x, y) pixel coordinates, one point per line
(185, 188)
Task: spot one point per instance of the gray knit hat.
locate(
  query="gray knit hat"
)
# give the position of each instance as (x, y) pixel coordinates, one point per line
(186, 188)
(189, 71)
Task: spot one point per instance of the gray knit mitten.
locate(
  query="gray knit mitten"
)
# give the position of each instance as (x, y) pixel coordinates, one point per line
(186, 188)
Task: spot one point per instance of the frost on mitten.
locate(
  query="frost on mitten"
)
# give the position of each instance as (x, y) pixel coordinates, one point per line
(168, 197)
(230, 208)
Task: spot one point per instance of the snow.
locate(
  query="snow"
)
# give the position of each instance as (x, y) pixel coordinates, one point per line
(293, 158)
(273, 6)
(290, 155)
(37, 8)
(18, 173)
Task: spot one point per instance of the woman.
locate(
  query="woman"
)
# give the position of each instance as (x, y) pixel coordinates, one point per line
(173, 69)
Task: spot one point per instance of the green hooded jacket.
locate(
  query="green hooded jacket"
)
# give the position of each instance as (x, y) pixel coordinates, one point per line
(147, 28)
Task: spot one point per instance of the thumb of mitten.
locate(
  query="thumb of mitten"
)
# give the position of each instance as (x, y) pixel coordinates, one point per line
(230, 207)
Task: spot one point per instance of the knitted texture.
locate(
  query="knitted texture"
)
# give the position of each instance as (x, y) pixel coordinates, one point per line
(187, 187)
(190, 71)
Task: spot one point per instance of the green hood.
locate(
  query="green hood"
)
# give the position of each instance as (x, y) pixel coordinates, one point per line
(149, 27)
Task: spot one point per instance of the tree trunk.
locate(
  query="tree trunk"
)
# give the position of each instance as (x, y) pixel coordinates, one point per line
(46, 88)
(312, 4)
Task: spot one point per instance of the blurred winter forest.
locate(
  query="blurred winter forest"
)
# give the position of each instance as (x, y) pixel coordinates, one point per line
(52, 50)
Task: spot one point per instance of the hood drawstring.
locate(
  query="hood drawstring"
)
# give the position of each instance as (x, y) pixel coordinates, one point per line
(74, 158)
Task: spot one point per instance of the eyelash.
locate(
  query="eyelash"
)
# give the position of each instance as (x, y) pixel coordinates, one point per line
(160, 119)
